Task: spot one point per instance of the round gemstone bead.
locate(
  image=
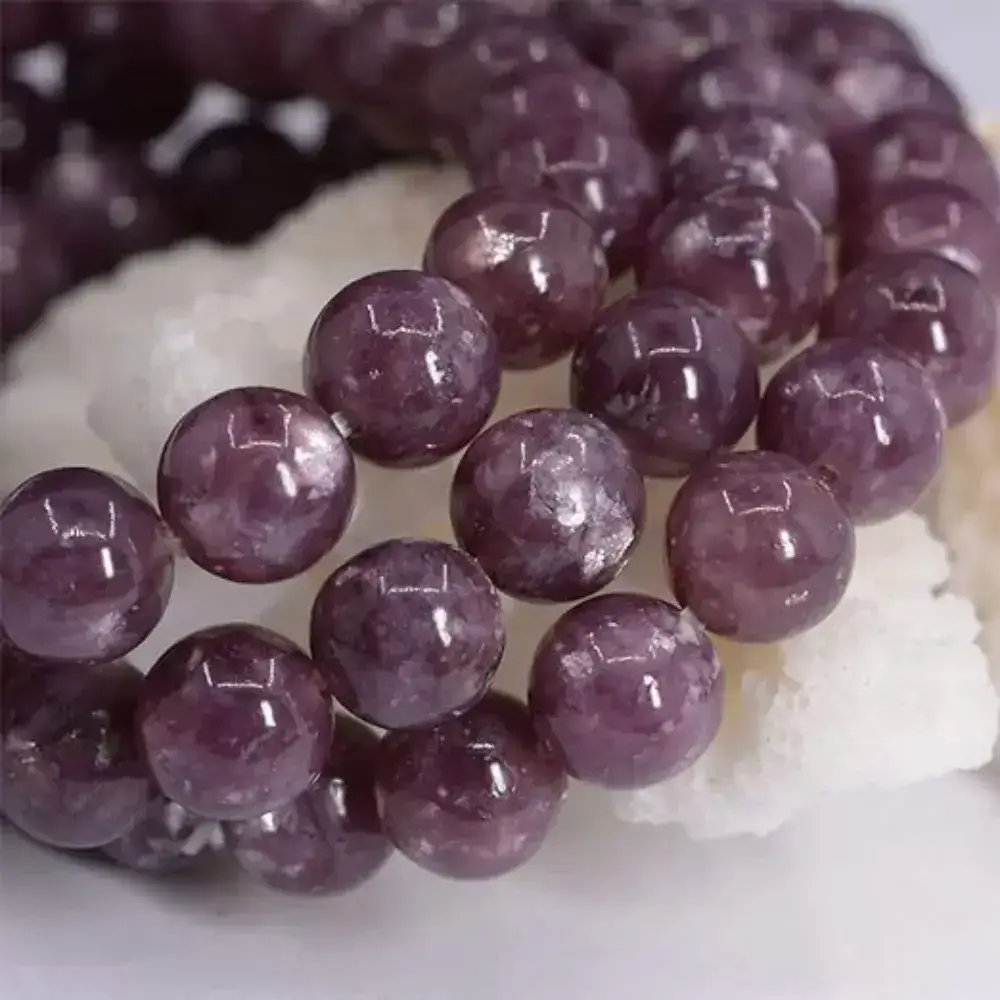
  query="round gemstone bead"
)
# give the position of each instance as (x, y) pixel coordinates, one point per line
(530, 263)
(86, 567)
(235, 720)
(257, 484)
(406, 632)
(330, 839)
(71, 773)
(933, 311)
(672, 375)
(757, 547)
(864, 417)
(627, 689)
(757, 254)
(473, 796)
(407, 364)
(550, 503)
(29, 132)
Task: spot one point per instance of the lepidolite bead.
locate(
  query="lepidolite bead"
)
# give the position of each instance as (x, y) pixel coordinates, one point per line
(672, 375)
(86, 567)
(531, 264)
(473, 796)
(627, 689)
(757, 547)
(71, 772)
(933, 311)
(757, 254)
(550, 503)
(406, 632)
(235, 721)
(257, 484)
(863, 417)
(166, 839)
(406, 364)
(330, 839)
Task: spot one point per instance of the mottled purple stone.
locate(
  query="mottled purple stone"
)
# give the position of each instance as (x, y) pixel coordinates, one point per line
(86, 567)
(550, 503)
(757, 547)
(755, 253)
(627, 689)
(257, 484)
(29, 132)
(864, 417)
(530, 263)
(672, 375)
(407, 364)
(406, 632)
(475, 795)
(330, 839)
(236, 721)
(756, 147)
(934, 312)
(71, 772)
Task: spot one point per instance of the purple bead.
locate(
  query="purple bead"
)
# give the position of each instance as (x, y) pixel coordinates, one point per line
(672, 375)
(407, 364)
(931, 310)
(757, 254)
(594, 26)
(86, 567)
(757, 547)
(748, 146)
(330, 839)
(719, 23)
(627, 689)
(26, 24)
(473, 796)
(530, 263)
(407, 632)
(71, 773)
(29, 132)
(550, 503)
(257, 484)
(236, 721)
(864, 418)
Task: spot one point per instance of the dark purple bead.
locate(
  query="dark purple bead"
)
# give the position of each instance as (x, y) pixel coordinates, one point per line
(627, 689)
(71, 772)
(672, 375)
(864, 417)
(330, 839)
(550, 503)
(236, 721)
(257, 484)
(531, 264)
(406, 632)
(936, 313)
(593, 26)
(757, 254)
(757, 547)
(237, 181)
(473, 796)
(751, 146)
(26, 24)
(86, 567)
(406, 364)
(718, 23)
(348, 148)
(29, 132)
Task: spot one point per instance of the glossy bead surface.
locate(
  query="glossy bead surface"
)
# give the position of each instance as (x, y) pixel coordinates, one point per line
(257, 484)
(165, 840)
(330, 839)
(550, 503)
(235, 721)
(473, 796)
(406, 364)
(86, 567)
(71, 772)
(406, 632)
(530, 263)
(29, 132)
(755, 253)
(627, 689)
(672, 375)
(757, 547)
(864, 417)
(933, 311)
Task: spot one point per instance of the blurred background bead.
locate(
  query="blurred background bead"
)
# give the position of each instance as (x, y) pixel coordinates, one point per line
(347, 148)
(29, 133)
(25, 24)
